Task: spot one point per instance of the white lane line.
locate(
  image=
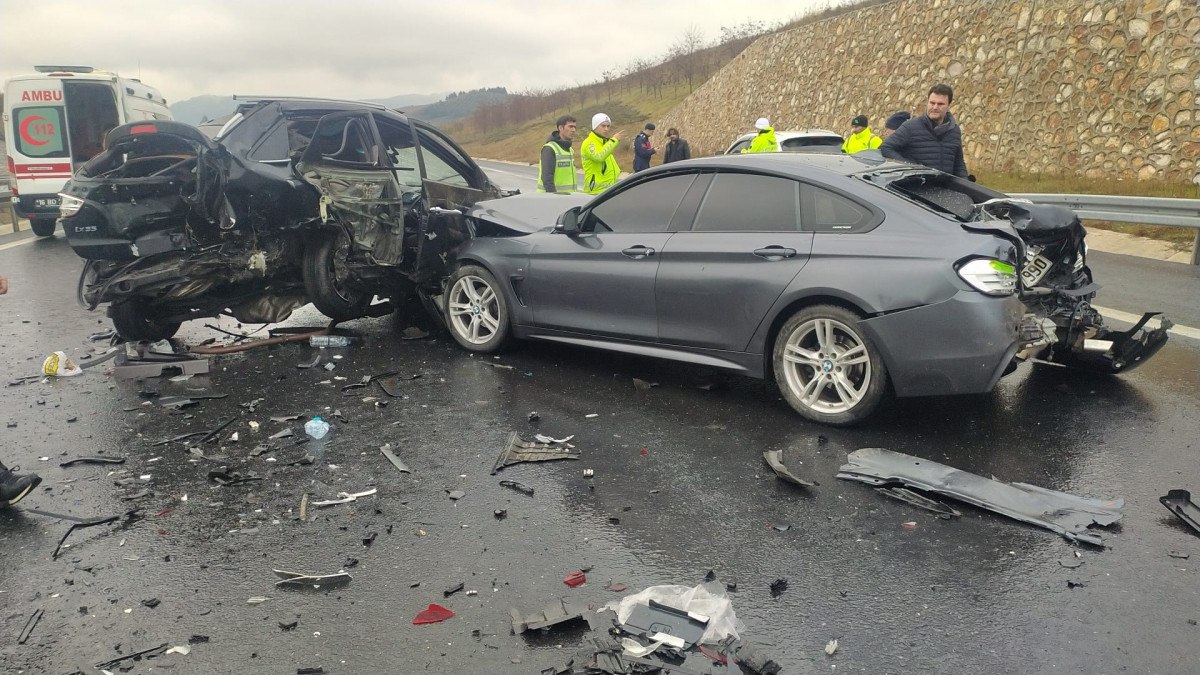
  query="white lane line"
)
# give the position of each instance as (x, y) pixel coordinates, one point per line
(20, 242)
(1185, 331)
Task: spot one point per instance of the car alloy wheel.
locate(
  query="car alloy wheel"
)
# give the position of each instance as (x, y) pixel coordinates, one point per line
(827, 368)
(327, 278)
(476, 310)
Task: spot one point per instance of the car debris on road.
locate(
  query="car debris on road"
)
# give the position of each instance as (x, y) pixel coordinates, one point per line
(544, 448)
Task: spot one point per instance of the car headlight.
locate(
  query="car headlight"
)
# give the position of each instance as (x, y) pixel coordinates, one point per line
(68, 206)
(987, 275)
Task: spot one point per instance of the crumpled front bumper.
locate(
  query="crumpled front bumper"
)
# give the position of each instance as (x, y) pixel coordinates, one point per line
(958, 346)
(1113, 352)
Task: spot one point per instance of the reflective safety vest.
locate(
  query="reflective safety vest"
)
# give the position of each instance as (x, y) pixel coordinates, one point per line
(600, 169)
(764, 142)
(863, 140)
(564, 170)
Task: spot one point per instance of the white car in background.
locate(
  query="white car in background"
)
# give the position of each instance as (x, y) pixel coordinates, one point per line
(820, 141)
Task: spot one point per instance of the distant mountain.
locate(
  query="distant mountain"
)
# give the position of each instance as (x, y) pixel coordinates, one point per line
(459, 105)
(200, 108)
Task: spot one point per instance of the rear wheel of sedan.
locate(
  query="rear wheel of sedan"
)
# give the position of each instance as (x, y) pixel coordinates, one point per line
(136, 321)
(43, 227)
(327, 277)
(476, 311)
(826, 366)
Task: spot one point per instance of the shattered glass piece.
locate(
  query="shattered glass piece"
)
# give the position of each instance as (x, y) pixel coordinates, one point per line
(286, 433)
(434, 613)
(518, 450)
(774, 459)
(1066, 514)
(519, 487)
(919, 500)
(1180, 503)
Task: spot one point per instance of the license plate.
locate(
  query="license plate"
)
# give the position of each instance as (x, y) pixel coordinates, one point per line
(49, 201)
(1035, 269)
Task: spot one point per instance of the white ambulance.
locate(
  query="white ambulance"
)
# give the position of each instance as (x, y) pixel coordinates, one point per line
(56, 120)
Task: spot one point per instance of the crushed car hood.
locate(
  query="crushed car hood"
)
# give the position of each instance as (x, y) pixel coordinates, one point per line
(527, 213)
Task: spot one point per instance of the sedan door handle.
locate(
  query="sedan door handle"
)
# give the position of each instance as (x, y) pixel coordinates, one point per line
(776, 252)
(640, 251)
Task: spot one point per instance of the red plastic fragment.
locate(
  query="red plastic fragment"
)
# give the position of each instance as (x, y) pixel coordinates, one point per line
(714, 655)
(643, 451)
(910, 525)
(165, 512)
(575, 579)
(432, 614)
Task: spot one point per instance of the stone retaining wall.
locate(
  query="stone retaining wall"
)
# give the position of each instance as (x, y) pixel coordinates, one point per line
(1085, 87)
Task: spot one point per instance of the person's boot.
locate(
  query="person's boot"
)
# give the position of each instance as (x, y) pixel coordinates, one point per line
(14, 486)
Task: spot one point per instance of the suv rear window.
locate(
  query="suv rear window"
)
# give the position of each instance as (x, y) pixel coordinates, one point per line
(39, 132)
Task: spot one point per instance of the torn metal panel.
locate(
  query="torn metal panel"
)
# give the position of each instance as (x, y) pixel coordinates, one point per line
(559, 612)
(774, 459)
(1067, 514)
(518, 450)
(1180, 503)
(919, 500)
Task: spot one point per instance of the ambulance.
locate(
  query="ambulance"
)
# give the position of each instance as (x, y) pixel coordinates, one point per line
(56, 120)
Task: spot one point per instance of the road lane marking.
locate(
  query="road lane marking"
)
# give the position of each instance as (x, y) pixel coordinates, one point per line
(1185, 331)
(21, 242)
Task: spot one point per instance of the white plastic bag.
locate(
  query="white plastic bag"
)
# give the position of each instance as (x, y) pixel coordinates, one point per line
(707, 599)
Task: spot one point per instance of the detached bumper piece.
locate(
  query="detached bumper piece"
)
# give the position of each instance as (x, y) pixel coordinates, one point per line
(518, 450)
(1066, 514)
(1180, 503)
(1112, 352)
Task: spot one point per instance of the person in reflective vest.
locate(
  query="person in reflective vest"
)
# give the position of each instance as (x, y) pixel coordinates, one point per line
(600, 169)
(556, 165)
(860, 137)
(765, 140)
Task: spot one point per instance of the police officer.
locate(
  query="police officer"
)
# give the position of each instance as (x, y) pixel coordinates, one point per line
(600, 169)
(860, 138)
(764, 141)
(556, 166)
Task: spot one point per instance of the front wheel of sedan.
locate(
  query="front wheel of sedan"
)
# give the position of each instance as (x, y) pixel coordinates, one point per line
(327, 278)
(476, 311)
(826, 366)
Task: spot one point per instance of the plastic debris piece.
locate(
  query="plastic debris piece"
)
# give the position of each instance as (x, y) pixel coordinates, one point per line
(1180, 503)
(345, 497)
(1179, 555)
(665, 624)
(643, 385)
(369, 538)
(519, 487)
(182, 650)
(92, 460)
(500, 514)
(434, 613)
(534, 416)
(30, 624)
(589, 473)
(256, 600)
(1076, 584)
(455, 495)
(592, 415)
(340, 577)
(1066, 514)
(1070, 563)
(919, 500)
(781, 527)
(453, 589)
(616, 587)
(711, 576)
(224, 477)
(314, 670)
(391, 456)
(144, 654)
(559, 612)
(58, 364)
(316, 428)
(288, 626)
(778, 587)
(413, 333)
(286, 433)
(910, 525)
(517, 450)
(151, 603)
(575, 579)
(831, 647)
(774, 459)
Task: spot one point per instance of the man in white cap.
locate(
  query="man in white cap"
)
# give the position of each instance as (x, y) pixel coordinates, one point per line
(765, 140)
(600, 169)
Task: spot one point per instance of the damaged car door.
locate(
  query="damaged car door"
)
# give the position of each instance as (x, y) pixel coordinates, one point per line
(393, 192)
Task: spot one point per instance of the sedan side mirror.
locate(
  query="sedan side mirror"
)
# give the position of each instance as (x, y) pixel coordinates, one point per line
(568, 222)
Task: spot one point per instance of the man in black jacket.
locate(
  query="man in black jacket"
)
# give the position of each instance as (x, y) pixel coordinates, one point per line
(643, 148)
(933, 139)
(677, 149)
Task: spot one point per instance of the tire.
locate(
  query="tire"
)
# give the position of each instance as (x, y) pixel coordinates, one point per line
(135, 322)
(476, 311)
(327, 279)
(43, 227)
(827, 368)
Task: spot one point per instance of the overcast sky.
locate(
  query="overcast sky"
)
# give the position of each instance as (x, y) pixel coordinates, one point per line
(359, 48)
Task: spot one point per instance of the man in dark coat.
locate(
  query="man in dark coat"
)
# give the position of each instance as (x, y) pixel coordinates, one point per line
(677, 149)
(933, 139)
(643, 148)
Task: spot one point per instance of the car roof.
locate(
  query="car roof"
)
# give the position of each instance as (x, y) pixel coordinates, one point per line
(788, 135)
(796, 163)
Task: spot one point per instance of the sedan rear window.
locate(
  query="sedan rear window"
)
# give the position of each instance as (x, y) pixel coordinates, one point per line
(743, 202)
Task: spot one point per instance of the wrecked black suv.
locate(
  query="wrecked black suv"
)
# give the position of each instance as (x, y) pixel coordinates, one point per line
(293, 201)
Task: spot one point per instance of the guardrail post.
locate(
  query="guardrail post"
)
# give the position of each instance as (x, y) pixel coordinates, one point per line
(1196, 249)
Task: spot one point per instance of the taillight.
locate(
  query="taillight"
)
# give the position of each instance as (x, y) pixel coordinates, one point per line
(144, 129)
(987, 275)
(12, 175)
(68, 205)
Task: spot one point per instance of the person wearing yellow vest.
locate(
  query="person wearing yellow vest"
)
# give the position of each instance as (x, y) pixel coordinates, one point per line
(860, 137)
(765, 140)
(556, 165)
(600, 169)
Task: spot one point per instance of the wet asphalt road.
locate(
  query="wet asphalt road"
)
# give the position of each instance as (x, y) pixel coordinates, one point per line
(980, 594)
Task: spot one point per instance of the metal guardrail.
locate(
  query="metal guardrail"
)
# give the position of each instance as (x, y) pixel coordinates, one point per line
(1171, 211)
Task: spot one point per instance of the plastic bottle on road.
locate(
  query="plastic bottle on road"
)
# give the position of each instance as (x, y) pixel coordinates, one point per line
(329, 341)
(316, 428)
